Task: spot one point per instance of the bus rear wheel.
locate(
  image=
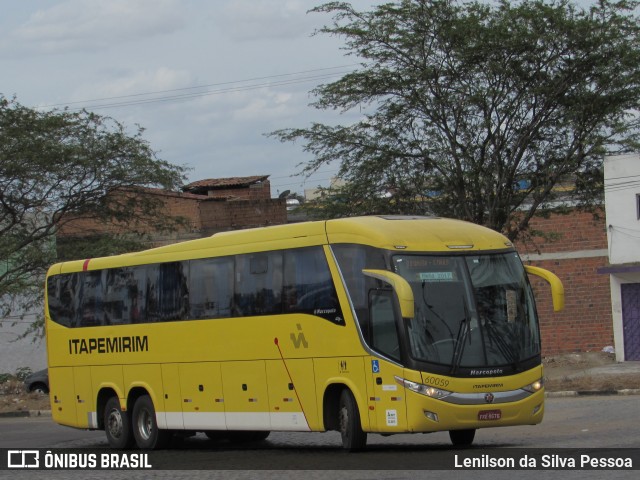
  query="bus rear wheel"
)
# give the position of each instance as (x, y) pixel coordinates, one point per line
(145, 426)
(353, 437)
(462, 438)
(117, 425)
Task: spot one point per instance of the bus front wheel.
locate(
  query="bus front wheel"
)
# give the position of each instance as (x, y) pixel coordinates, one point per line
(353, 437)
(462, 438)
(117, 425)
(145, 427)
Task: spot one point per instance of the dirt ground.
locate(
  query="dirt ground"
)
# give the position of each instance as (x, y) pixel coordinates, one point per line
(562, 373)
(13, 398)
(574, 372)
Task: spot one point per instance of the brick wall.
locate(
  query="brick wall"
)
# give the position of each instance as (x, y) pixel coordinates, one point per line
(586, 323)
(203, 215)
(182, 205)
(577, 230)
(220, 215)
(255, 191)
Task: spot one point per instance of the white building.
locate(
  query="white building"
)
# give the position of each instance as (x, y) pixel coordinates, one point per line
(622, 206)
(17, 352)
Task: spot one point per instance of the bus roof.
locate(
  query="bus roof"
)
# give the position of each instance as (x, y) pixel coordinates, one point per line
(415, 233)
(389, 232)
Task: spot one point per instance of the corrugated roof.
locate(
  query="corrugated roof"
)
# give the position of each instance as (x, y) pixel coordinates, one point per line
(219, 183)
(159, 191)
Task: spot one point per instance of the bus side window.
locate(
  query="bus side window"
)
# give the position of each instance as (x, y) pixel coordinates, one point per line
(308, 286)
(69, 291)
(167, 291)
(258, 285)
(211, 287)
(91, 303)
(384, 336)
(352, 259)
(60, 296)
(125, 295)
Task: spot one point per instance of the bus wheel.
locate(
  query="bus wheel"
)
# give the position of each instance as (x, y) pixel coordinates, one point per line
(462, 437)
(145, 427)
(353, 438)
(117, 425)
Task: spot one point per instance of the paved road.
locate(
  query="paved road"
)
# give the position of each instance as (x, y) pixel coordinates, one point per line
(605, 422)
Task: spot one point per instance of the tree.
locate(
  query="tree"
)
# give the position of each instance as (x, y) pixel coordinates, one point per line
(477, 111)
(62, 166)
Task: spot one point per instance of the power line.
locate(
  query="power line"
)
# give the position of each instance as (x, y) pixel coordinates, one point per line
(294, 175)
(329, 72)
(623, 177)
(622, 186)
(203, 94)
(279, 185)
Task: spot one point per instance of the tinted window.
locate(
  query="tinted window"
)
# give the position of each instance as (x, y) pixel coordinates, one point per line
(258, 284)
(91, 306)
(352, 259)
(267, 283)
(308, 286)
(69, 299)
(211, 287)
(167, 291)
(384, 336)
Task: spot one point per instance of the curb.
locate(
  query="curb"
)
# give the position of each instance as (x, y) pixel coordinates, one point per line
(591, 393)
(26, 413)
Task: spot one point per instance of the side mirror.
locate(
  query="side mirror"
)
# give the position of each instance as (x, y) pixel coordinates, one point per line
(557, 289)
(400, 286)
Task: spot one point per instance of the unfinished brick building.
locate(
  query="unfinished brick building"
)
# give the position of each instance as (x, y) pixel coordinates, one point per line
(577, 253)
(206, 206)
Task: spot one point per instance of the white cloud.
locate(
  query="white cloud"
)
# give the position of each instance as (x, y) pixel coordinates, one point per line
(81, 25)
(59, 52)
(246, 20)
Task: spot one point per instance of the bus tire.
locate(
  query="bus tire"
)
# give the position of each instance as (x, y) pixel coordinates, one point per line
(117, 425)
(353, 437)
(462, 438)
(145, 426)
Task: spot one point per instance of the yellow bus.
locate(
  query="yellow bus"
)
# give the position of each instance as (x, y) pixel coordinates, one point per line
(361, 325)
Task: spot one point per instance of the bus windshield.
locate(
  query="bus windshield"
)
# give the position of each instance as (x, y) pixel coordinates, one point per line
(470, 311)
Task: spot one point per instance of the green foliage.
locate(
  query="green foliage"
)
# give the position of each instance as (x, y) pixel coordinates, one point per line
(477, 110)
(62, 166)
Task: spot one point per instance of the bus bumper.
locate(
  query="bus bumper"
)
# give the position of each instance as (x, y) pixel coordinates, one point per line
(430, 415)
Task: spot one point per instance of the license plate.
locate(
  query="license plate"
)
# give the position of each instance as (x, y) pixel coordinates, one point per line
(489, 415)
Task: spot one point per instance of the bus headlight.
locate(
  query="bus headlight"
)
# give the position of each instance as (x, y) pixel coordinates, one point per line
(426, 390)
(534, 387)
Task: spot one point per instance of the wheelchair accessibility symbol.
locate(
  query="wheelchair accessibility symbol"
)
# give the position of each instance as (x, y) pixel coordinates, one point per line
(375, 366)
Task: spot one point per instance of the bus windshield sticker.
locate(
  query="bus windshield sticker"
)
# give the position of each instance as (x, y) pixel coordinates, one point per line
(436, 276)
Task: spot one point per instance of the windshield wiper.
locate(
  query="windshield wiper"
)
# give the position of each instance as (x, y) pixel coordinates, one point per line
(433, 310)
(505, 346)
(464, 331)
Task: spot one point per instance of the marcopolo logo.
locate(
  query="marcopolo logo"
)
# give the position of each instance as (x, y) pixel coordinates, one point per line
(23, 459)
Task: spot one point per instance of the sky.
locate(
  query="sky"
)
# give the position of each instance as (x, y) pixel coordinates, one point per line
(206, 79)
